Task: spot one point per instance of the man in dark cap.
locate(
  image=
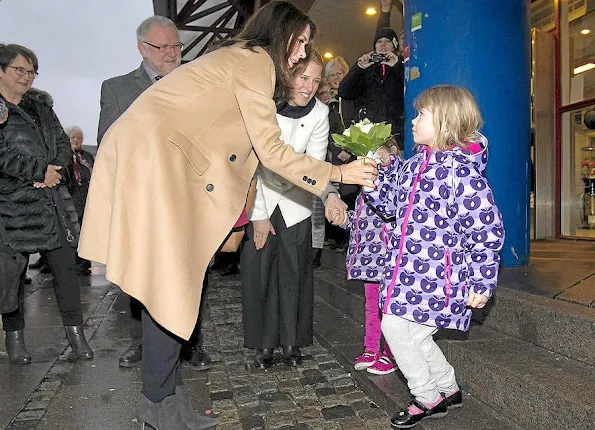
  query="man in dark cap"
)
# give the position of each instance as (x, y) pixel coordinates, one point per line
(375, 82)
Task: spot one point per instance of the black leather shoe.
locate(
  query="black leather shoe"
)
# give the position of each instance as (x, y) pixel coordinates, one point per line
(264, 358)
(404, 420)
(453, 401)
(292, 355)
(197, 359)
(28, 280)
(132, 356)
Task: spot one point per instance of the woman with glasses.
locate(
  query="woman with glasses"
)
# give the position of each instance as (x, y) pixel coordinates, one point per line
(171, 178)
(36, 209)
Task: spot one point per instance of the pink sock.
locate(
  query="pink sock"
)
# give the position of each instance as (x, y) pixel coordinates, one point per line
(414, 410)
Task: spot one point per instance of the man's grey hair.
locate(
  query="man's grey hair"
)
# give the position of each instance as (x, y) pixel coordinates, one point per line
(144, 26)
(72, 129)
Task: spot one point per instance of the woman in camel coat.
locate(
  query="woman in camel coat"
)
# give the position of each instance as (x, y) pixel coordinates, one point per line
(171, 179)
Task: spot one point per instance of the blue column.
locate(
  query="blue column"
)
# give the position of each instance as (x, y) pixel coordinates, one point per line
(484, 46)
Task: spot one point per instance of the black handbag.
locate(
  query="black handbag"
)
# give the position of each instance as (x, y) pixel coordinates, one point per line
(12, 266)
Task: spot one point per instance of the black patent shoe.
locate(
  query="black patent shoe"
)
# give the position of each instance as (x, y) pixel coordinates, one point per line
(132, 356)
(197, 359)
(453, 401)
(264, 358)
(404, 420)
(292, 355)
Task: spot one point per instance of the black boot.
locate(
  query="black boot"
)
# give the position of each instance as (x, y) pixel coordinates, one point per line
(80, 348)
(164, 415)
(15, 347)
(188, 414)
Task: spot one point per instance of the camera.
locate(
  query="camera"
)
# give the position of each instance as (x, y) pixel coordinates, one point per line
(377, 57)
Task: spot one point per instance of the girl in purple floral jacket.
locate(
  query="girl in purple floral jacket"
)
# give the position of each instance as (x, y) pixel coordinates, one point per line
(443, 253)
(369, 235)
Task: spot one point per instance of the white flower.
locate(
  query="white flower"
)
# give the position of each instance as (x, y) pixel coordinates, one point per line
(365, 125)
(347, 132)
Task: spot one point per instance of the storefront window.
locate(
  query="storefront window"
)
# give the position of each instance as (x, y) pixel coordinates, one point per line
(577, 42)
(578, 173)
(542, 14)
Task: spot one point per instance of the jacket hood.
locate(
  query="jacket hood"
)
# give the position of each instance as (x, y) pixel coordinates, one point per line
(40, 96)
(475, 152)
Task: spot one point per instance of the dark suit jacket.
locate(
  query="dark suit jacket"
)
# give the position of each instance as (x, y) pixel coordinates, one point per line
(117, 94)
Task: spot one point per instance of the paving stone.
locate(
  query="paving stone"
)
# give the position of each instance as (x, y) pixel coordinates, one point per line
(272, 397)
(308, 415)
(346, 381)
(289, 384)
(322, 392)
(283, 406)
(295, 427)
(352, 424)
(331, 365)
(300, 393)
(333, 400)
(333, 374)
(326, 425)
(30, 415)
(233, 425)
(308, 403)
(337, 412)
(254, 422)
(354, 396)
(221, 395)
(228, 416)
(276, 421)
(313, 377)
(377, 424)
(325, 358)
(372, 413)
(260, 409)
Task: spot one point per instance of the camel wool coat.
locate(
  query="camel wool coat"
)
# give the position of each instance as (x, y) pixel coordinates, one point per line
(172, 174)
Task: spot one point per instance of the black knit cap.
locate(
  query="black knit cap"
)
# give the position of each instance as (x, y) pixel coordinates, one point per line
(389, 34)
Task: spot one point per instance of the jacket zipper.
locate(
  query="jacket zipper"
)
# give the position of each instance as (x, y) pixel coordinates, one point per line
(356, 245)
(447, 273)
(60, 212)
(391, 286)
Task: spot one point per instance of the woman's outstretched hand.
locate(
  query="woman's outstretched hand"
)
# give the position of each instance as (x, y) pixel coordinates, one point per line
(362, 171)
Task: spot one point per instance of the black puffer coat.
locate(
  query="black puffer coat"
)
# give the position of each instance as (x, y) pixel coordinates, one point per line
(28, 143)
(378, 97)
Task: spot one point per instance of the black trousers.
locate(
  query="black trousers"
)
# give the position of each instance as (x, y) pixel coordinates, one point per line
(62, 263)
(136, 327)
(278, 286)
(160, 367)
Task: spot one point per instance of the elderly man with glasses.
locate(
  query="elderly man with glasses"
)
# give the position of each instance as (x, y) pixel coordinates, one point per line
(159, 44)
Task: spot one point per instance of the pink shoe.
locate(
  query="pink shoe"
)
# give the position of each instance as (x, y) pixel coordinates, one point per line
(383, 366)
(365, 360)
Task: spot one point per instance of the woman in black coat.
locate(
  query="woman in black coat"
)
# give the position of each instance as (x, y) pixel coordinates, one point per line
(80, 177)
(36, 209)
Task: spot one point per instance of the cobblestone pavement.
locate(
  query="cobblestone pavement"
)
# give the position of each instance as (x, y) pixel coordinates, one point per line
(319, 394)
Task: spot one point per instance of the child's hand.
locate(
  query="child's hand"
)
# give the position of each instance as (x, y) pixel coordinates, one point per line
(336, 210)
(384, 156)
(477, 301)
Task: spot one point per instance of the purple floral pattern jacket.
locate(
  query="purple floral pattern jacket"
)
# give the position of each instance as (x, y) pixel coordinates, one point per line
(447, 235)
(369, 235)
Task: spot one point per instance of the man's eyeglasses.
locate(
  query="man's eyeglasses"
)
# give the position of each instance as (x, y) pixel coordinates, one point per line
(21, 71)
(164, 48)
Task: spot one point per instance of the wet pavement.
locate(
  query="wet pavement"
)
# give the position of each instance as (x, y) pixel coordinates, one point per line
(52, 393)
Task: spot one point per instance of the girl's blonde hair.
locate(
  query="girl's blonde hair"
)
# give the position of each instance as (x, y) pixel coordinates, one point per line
(457, 119)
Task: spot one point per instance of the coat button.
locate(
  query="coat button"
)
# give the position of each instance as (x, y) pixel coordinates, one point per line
(305, 178)
(210, 187)
(309, 181)
(232, 158)
(313, 181)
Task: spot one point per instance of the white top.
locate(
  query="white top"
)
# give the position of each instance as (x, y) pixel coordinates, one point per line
(309, 135)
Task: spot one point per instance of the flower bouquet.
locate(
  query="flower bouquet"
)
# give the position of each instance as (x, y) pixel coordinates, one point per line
(363, 139)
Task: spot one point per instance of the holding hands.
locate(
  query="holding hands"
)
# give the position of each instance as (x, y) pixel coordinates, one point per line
(336, 210)
(477, 301)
